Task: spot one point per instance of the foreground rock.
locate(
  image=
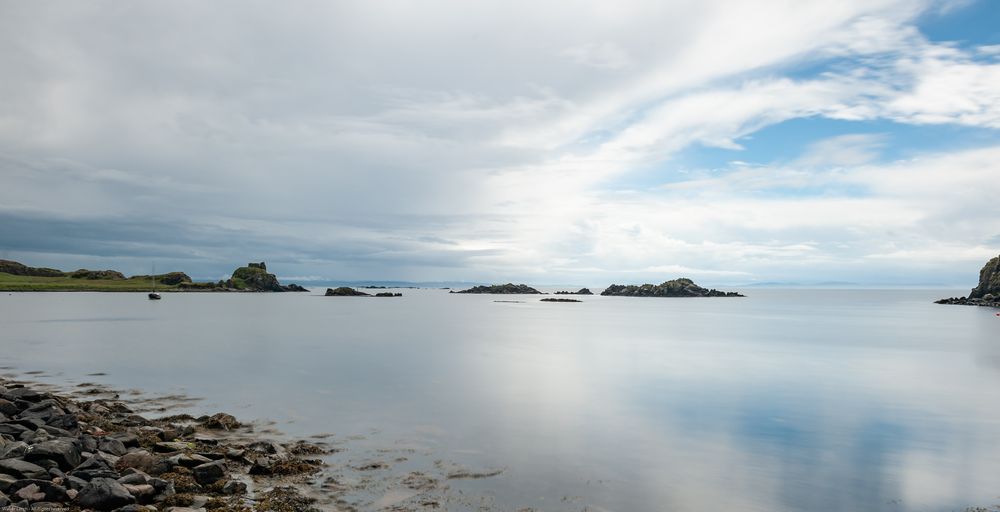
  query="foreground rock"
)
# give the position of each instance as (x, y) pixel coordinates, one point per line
(345, 291)
(60, 454)
(682, 287)
(560, 300)
(986, 293)
(581, 291)
(509, 288)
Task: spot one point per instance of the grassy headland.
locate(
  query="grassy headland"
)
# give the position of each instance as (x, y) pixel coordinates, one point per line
(17, 277)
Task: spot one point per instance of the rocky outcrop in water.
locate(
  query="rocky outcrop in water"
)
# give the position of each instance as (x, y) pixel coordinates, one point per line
(682, 287)
(560, 300)
(986, 293)
(255, 278)
(345, 291)
(509, 288)
(581, 291)
(58, 453)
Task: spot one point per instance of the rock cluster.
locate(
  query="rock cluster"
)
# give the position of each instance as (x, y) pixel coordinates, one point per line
(682, 287)
(582, 291)
(560, 300)
(60, 454)
(255, 278)
(509, 288)
(345, 291)
(986, 293)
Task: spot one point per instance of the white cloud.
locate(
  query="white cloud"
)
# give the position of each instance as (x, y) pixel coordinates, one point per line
(367, 131)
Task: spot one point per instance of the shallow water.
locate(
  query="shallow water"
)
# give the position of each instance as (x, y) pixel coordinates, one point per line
(787, 400)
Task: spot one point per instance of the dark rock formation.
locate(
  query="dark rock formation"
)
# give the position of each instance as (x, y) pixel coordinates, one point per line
(989, 280)
(254, 278)
(560, 300)
(682, 287)
(509, 288)
(388, 294)
(108, 275)
(18, 269)
(345, 291)
(986, 293)
(582, 291)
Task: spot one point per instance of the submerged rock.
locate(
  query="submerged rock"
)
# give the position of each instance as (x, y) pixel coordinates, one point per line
(560, 300)
(682, 287)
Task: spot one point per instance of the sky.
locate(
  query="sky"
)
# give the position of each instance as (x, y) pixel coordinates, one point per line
(727, 141)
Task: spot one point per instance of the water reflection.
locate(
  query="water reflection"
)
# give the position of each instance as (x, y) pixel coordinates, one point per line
(786, 400)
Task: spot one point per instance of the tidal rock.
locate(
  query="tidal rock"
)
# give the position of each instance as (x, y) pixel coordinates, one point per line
(209, 473)
(560, 300)
(12, 450)
(581, 291)
(234, 487)
(96, 466)
(112, 446)
(8, 408)
(344, 291)
(6, 481)
(139, 459)
(509, 288)
(63, 452)
(170, 446)
(682, 287)
(22, 469)
(104, 494)
(388, 294)
(222, 421)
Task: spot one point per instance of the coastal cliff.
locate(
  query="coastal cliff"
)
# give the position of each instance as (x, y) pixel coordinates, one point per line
(682, 287)
(987, 292)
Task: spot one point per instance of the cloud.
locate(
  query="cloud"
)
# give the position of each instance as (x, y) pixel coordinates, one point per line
(599, 55)
(472, 142)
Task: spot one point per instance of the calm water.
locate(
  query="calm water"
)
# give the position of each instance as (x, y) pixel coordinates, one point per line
(798, 400)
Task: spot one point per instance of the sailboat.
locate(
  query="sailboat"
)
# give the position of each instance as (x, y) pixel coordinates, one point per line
(153, 295)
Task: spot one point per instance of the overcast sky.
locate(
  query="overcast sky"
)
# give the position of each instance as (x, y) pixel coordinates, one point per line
(730, 141)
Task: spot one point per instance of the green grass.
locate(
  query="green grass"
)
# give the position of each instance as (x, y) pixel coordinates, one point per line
(12, 283)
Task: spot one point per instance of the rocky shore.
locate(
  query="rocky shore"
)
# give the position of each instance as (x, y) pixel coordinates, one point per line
(63, 454)
(986, 293)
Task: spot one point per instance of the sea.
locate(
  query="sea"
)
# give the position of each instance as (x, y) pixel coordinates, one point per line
(785, 400)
